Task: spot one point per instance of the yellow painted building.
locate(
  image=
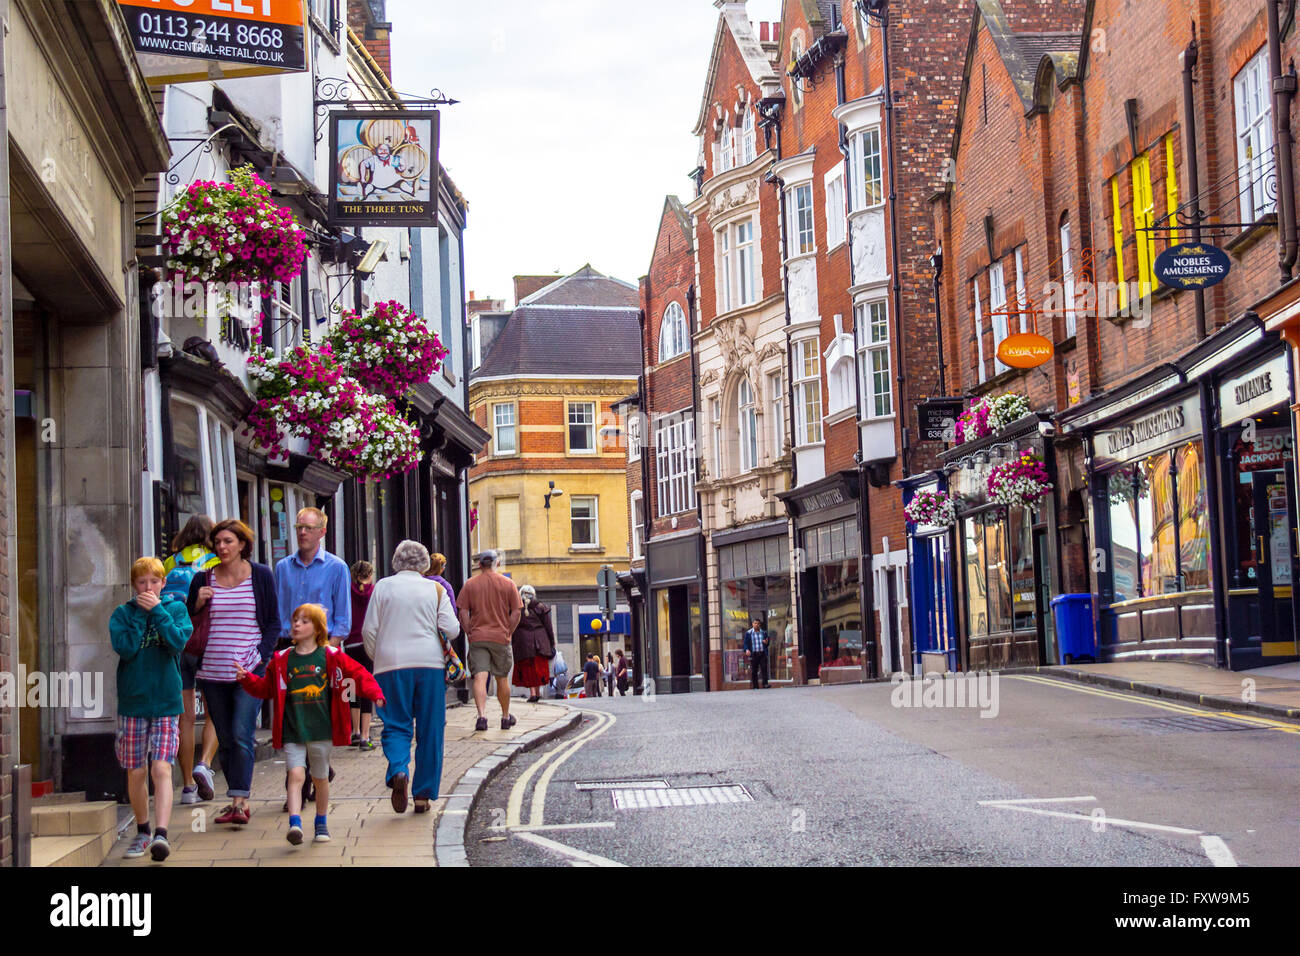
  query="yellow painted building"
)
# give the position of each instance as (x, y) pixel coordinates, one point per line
(550, 488)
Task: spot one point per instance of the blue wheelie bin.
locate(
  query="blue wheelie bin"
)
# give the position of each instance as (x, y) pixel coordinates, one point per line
(1075, 638)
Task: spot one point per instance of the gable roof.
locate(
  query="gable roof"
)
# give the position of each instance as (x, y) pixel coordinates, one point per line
(572, 340)
(1023, 55)
(674, 209)
(735, 18)
(586, 287)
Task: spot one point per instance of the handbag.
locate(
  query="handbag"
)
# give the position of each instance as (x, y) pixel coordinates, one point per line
(452, 666)
(201, 624)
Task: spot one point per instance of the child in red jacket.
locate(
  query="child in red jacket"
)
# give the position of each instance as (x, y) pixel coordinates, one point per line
(313, 685)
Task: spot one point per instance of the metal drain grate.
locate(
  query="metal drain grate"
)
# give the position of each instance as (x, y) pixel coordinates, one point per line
(622, 784)
(649, 798)
(1182, 724)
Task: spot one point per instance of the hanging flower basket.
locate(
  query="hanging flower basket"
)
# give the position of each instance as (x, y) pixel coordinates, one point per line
(988, 415)
(388, 348)
(1128, 485)
(232, 232)
(307, 395)
(931, 507)
(1019, 483)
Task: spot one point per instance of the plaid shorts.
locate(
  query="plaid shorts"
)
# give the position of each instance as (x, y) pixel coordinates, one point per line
(138, 737)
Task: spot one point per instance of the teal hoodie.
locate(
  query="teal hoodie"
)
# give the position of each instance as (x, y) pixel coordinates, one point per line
(149, 644)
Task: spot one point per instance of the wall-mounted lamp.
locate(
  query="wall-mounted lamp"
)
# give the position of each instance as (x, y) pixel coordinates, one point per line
(370, 261)
(552, 492)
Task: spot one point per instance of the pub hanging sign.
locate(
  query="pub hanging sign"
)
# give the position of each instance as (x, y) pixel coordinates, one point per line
(1192, 265)
(384, 168)
(178, 41)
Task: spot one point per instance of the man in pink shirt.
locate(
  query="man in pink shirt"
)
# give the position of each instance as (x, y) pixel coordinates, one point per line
(488, 607)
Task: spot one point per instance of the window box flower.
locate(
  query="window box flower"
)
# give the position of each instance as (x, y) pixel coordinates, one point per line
(1019, 483)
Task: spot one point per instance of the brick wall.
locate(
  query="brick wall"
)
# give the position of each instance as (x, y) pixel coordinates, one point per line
(669, 386)
(373, 35)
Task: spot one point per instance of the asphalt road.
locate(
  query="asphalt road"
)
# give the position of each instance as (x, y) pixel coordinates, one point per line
(839, 775)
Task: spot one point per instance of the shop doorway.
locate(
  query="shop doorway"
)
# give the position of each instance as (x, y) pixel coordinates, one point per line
(811, 629)
(1273, 510)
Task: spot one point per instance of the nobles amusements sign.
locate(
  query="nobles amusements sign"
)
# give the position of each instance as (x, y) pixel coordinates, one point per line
(1196, 265)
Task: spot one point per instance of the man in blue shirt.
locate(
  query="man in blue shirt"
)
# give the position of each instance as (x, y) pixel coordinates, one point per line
(314, 576)
(756, 641)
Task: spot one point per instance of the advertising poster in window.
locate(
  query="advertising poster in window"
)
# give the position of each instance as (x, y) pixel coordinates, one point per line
(385, 168)
(179, 41)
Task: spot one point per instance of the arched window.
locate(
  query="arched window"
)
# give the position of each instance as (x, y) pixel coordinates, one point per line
(673, 337)
(747, 416)
(747, 138)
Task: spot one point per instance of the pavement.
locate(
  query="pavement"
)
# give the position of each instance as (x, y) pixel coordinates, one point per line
(1272, 691)
(364, 829)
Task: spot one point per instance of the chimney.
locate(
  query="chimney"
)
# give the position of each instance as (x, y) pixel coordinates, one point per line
(762, 32)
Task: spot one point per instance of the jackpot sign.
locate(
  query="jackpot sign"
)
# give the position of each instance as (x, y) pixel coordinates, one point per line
(177, 41)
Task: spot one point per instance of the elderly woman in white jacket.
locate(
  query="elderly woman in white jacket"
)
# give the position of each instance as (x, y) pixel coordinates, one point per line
(401, 636)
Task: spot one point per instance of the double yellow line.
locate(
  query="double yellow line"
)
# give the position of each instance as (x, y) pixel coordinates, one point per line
(1259, 723)
(551, 762)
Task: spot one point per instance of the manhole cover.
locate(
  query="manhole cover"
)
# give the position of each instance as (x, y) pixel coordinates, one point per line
(621, 784)
(651, 798)
(1182, 724)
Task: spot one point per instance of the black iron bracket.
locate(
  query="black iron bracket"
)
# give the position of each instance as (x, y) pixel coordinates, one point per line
(330, 91)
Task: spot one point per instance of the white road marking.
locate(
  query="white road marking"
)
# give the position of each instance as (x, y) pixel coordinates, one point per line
(598, 825)
(1109, 821)
(1217, 850)
(581, 857)
(1003, 803)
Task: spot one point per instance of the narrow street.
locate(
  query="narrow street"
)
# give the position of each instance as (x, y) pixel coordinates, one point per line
(1065, 775)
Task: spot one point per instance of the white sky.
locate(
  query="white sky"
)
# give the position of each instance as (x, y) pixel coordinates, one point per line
(575, 121)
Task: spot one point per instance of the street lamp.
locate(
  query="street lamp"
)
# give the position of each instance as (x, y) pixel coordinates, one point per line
(552, 492)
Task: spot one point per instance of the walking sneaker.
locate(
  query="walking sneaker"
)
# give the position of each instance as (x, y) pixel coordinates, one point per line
(507, 722)
(322, 833)
(295, 836)
(366, 745)
(138, 846)
(159, 848)
(481, 724)
(356, 739)
(189, 795)
(205, 782)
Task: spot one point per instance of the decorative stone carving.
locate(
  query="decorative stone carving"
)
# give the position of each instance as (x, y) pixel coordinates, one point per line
(770, 350)
(737, 347)
(869, 247)
(737, 194)
(802, 290)
(709, 377)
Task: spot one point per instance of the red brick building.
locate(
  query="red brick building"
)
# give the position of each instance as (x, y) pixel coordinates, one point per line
(1161, 418)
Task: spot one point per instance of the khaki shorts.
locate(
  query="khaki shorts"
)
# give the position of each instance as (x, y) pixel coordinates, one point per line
(491, 657)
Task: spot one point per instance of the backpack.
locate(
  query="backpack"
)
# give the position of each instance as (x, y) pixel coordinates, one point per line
(181, 568)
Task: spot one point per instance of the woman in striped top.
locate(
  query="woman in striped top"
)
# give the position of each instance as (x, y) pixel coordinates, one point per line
(238, 595)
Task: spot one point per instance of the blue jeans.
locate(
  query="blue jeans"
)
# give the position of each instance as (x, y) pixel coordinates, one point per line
(414, 696)
(233, 712)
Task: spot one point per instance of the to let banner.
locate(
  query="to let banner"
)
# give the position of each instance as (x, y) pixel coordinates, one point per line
(384, 168)
(178, 41)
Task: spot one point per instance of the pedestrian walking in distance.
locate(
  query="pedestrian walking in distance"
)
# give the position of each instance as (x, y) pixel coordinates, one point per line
(489, 612)
(755, 642)
(592, 671)
(243, 619)
(406, 621)
(363, 585)
(190, 555)
(148, 634)
(610, 674)
(621, 676)
(533, 645)
(307, 684)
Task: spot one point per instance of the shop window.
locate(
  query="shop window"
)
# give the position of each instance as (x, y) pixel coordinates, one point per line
(1023, 570)
(1256, 172)
(203, 451)
(1271, 453)
(840, 614)
(1159, 525)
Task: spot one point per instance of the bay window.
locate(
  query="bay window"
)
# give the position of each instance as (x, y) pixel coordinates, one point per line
(800, 218)
(776, 402)
(872, 326)
(807, 392)
(835, 223)
(867, 176)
